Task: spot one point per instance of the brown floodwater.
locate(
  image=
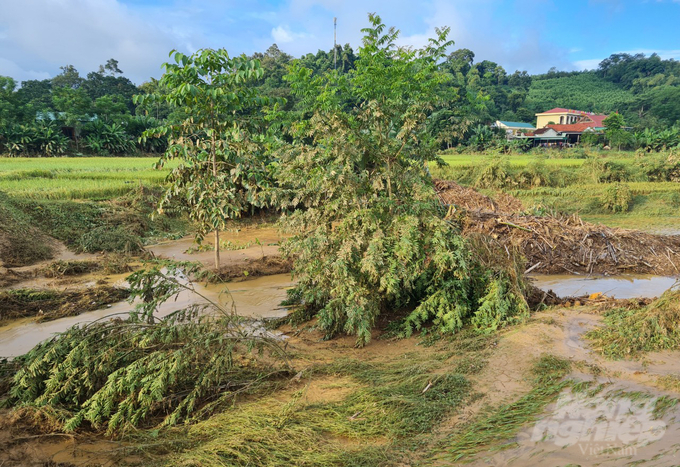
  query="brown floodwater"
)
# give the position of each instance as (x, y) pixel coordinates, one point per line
(256, 298)
(624, 286)
(241, 245)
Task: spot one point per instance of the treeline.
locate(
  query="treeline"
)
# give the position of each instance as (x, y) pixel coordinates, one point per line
(71, 114)
(97, 114)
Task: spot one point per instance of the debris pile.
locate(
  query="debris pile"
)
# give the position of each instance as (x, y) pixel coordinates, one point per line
(450, 192)
(559, 244)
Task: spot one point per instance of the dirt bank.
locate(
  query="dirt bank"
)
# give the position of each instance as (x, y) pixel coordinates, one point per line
(50, 304)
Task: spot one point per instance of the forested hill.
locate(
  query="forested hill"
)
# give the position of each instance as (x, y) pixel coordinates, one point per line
(644, 89)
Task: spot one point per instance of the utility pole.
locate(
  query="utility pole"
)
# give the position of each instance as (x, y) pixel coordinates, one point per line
(335, 43)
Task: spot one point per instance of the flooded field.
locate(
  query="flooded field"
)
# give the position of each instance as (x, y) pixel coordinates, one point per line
(257, 298)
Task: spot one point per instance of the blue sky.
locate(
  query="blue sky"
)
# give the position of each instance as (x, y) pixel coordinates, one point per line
(39, 36)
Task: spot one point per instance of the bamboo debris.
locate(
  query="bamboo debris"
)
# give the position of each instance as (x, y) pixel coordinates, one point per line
(562, 244)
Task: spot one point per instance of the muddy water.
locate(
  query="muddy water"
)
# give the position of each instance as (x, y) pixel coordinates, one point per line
(257, 298)
(625, 286)
(242, 245)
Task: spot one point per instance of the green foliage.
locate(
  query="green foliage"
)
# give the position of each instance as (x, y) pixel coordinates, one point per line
(617, 198)
(384, 412)
(20, 242)
(120, 374)
(105, 139)
(496, 173)
(37, 139)
(657, 140)
(221, 169)
(598, 170)
(371, 236)
(110, 239)
(584, 91)
(537, 174)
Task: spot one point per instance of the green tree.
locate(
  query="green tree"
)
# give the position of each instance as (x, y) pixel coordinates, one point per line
(68, 78)
(219, 173)
(615, 132)
(7, 100)
(73, 107)
(371, 235)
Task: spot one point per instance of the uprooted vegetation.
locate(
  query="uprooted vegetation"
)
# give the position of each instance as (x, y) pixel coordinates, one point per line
(615, 188)
(145, 370)
(27, 226)
(561, 243)
(630, 332)
(50, 304)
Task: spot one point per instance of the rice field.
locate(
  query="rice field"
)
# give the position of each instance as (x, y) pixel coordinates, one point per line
(92, 178)
(564, 184)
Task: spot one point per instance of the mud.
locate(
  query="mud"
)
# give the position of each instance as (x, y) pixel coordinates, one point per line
(47, 305)
(247, 244)
(21, 447)
(607, 428)
(266, 266)
(612, 426)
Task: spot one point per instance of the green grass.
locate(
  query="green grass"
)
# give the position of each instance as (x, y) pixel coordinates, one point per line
(572, 185)
(632, 333)
(522, 160)
(91, 178)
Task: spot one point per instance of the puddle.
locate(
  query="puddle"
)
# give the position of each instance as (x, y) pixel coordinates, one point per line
(243, 245)
(632, 286)
(257, 298)
(616, 426)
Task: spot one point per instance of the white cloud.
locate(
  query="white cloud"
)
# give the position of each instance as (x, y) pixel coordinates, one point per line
(9, 68)
(282, 35)
(46, 34)
(590, 64)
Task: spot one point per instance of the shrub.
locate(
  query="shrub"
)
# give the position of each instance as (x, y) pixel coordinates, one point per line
(600, 171)
(536, 174)
(38, 139)
(119, 374)
(631, 332)
(495, 174)
(661, 168)
(109, 239)
(617, 198)
(107, 139)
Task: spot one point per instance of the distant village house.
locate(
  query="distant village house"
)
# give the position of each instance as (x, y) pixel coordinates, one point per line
(555, 127)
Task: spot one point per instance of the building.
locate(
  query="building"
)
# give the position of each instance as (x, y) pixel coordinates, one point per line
(514, 129)
(559, 116)
(546, 137)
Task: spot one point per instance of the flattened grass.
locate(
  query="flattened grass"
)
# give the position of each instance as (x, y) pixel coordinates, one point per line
(631, 333)
(387, 409)
(492, 432)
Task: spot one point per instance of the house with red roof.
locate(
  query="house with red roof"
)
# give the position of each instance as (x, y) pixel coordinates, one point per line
(570, 123)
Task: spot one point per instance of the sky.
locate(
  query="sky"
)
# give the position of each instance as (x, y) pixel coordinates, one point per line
(37, 37)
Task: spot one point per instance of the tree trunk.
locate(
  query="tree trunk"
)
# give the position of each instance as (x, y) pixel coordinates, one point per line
(217, 249)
